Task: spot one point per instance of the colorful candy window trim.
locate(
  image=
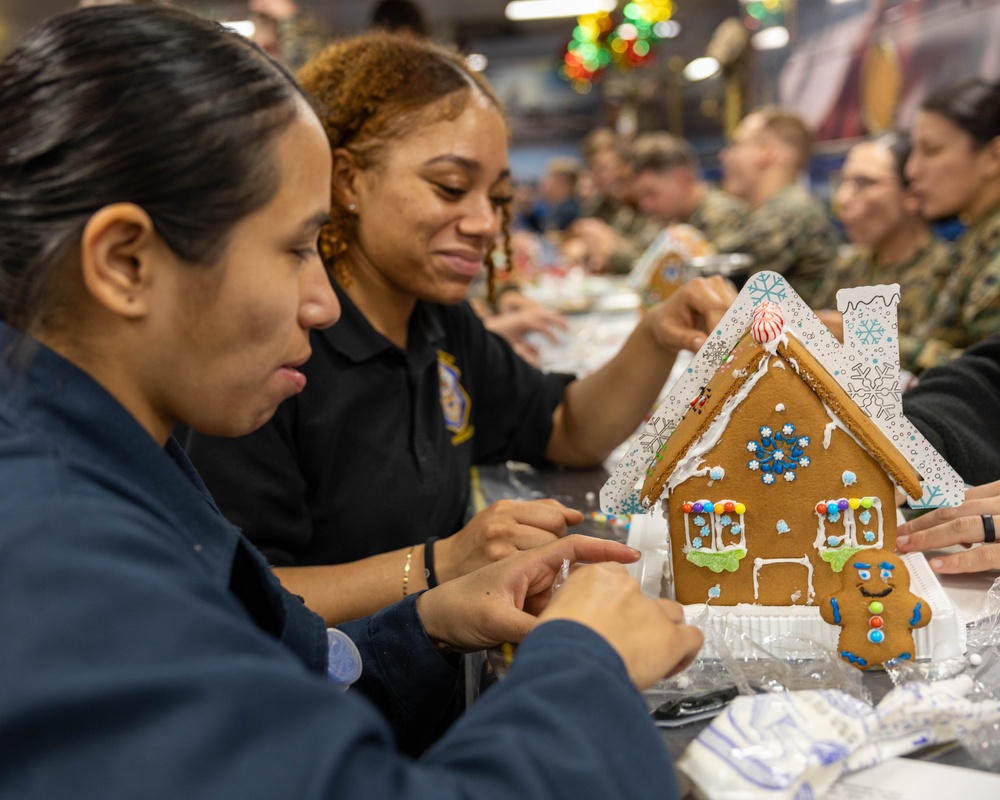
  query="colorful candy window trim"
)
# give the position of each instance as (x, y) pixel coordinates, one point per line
(847, 525)
(714, 534)
(778, 454)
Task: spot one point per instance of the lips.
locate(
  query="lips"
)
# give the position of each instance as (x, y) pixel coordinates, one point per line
(464, 262)
(866, 593)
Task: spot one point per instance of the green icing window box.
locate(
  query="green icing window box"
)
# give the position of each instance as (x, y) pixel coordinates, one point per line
(837, 558)
(728, 560)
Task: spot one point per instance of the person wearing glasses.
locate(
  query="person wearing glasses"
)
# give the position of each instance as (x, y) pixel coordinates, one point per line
(890, 241)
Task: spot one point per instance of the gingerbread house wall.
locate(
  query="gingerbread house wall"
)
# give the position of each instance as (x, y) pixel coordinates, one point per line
(782, 565)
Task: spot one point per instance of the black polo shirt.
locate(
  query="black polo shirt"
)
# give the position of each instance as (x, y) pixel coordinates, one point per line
(374, 454)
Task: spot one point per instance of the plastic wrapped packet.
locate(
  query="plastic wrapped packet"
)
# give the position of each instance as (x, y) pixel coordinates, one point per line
(796, 744)
(779, 663)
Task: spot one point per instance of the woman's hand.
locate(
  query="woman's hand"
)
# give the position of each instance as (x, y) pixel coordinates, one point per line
(953, 525)
(682, 321)
(515, 325)
(499, 603)
(500, 530)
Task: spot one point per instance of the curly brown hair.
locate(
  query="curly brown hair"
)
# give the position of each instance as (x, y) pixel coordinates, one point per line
(372, 89)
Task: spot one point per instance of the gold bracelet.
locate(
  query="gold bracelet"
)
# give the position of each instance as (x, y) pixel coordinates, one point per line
(406, 569)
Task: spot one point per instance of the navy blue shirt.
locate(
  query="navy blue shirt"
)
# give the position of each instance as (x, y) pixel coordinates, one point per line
(148, 652)
(374, 455)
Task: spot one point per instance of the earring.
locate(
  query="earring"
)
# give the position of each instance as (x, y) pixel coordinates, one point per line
(351, 207)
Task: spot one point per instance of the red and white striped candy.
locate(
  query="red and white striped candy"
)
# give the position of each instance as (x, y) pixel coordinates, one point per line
(767, 323)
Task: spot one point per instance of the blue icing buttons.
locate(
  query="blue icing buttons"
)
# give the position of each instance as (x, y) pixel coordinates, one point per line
(716, 473)
(875, 636)
(849, 478)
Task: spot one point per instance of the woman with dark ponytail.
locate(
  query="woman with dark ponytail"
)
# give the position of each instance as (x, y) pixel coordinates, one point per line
(954, 170)
(162, 189)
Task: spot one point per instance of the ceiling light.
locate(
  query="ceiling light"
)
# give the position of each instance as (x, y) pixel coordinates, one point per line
(667, 29)
(770, 38)
(553, 9)
(243, 27)
(701, 68)
(477, 62)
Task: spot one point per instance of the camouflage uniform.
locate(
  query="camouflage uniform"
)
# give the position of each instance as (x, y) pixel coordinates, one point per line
(721, 217)
(920, 278)
(300, 37)
(968, 308)
(791, 233)
(635, 228)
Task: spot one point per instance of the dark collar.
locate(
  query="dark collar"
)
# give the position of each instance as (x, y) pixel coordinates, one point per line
(63, 408)
(354, 337)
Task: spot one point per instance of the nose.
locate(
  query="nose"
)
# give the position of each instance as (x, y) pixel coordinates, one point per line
(481, 218)
(318, 303)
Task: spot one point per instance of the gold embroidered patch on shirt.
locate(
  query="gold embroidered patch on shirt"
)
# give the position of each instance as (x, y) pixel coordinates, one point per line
(455, 402)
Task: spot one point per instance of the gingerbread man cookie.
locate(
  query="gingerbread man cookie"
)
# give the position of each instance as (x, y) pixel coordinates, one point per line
(875, 609)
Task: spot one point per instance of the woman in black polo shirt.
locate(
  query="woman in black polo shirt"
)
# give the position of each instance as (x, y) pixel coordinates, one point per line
(420, 190)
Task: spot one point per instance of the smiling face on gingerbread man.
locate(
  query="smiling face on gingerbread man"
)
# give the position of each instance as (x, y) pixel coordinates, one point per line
(875, 609)
(876, 577)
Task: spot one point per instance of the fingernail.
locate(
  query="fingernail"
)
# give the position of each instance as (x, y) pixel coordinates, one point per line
(936, 564)
(902, 541)
(697, 342)
(637, 552)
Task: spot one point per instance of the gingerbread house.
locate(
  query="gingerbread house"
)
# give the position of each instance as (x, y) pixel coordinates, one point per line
(777, 454)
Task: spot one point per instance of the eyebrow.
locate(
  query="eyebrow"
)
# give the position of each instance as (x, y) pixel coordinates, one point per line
(887, 565)
(862, 566)
(465, 163)
(316, 221)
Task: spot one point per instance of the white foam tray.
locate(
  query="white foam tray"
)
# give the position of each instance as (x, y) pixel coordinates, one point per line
(943, 638)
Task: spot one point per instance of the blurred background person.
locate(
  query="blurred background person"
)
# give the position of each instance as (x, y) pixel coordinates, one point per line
(399, 16)
(555, 207)
(890, 241)
(954, 169)
(667, 183)
(787, 229)
(287, 32)
(611, 232)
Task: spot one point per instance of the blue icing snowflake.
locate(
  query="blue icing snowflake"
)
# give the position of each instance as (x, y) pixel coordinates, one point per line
(699, 520)
(715, 592)
(716, 473)
(865, 517)
(869, 536)
(726, 520)
(782, 526)
(778, 453)
(704, 530)
(848, 478)
(735, 530)
(832, 541)
(833, 516)
(696, 541)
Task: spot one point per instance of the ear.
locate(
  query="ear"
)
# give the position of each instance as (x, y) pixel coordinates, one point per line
(117, 251)
(990, 158)
(346, 173)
